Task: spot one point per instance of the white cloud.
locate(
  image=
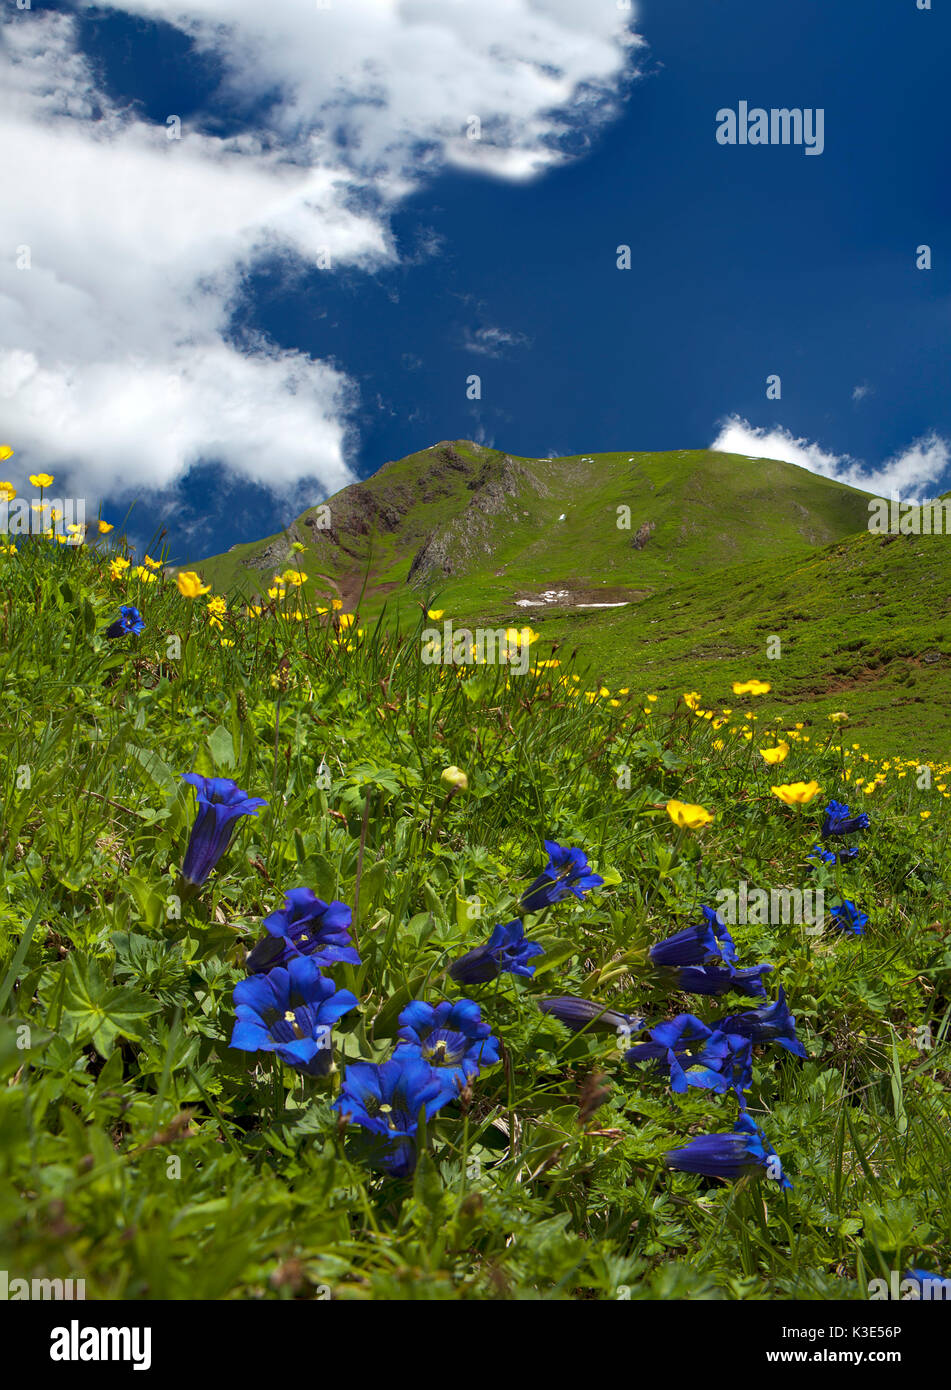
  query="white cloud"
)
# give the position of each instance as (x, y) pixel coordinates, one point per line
(861, 391)
(491, 341)
(909, 473)
(117, 359)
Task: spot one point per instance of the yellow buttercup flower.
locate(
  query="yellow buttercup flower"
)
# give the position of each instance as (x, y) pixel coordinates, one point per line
(514, 636)
(435, 613)
(190, 585)
(753, 687)
(839, 717)
(346, 619)
(924, 814)
(5, 452)
(104, 527)
(295, 577)
(691, 698)
(152, 564)
(688, 817)
(218, 605)
(7, 492)
(796, 793)
(41, 480)
(118, 567)
(146, 576)
(778, 754)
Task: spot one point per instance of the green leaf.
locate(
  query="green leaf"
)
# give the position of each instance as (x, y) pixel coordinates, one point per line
(102, 1011)
(221, 747)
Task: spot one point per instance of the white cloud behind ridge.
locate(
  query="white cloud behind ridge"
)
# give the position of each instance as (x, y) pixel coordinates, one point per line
(912, 474)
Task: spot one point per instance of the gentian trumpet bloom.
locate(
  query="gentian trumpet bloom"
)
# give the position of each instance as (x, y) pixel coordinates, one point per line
(577, 1014)
(715, 980)
(671, 1043)
(451, 1038)
(730, 1156)
(708, 941)
(290, 1012)
(567, 871)
(505, 951)
(220, 803)
(305, 926)
(828, 856)
(697, 1056)
(848, 917)
(130, 621)
(838, 821)
(769, 1023)
(729, 1056)
(386, 1100)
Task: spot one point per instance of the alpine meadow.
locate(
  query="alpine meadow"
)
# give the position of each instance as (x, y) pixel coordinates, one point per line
(336, 972)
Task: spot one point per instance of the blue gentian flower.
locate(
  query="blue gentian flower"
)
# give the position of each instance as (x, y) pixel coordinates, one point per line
(769, 1023)
(567, 871)
(386, 1100)
(850, 918)
(305, 926)
(730, 1156)
(708, 941)
(505, 950)
(450, 1037)
(577, 1014)
(290, 1012)
(672, 1043)
(828, 856)
(697, 1056)
(729, 1056)
(130, 621)
(220, 803)
(716, 980)
(838, 821)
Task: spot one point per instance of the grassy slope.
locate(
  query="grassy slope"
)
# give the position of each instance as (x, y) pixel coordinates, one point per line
(117, 1004)
(863, 627)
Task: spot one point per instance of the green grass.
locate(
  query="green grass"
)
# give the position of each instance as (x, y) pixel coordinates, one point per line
(141, 1153)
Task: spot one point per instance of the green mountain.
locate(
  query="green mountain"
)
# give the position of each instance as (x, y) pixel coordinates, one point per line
(666, 571)
(494, 527)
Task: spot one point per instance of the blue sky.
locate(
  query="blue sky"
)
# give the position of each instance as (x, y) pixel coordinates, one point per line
(446, 259)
